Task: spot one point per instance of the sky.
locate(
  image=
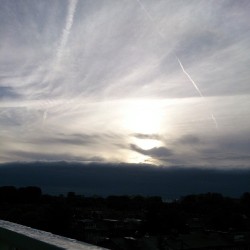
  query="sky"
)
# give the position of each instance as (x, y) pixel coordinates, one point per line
(164, 83)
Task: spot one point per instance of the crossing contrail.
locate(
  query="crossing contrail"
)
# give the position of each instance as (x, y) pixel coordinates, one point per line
(150, 17)
(145, 10)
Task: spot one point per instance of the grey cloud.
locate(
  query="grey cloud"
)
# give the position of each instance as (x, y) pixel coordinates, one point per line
(233, 149)
(227, 156)
(77, 138)
(8, 93)
(13, 117)
(239, 142)
(189, 139)
(80, 139)
(220, 149)
(157, 152)
(32, 156)
(147, 136)
(233, 143)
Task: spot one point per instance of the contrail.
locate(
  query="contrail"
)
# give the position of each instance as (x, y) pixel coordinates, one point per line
(145, 10)
(189, 77)
(66, 30)
(61, 45)
(150, 17)
(198, 90)
(214, 120)
(184, 71)
(44, 116)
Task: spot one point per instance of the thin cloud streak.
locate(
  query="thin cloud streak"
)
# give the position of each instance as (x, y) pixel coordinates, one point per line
(198, 90)
(189, 77)
(66, 31)
(150, 18)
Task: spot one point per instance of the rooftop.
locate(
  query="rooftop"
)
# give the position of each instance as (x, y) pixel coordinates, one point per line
(23, 237)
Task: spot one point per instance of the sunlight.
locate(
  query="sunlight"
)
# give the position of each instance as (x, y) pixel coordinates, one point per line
(134, 157)
(147, 144)
(144, 117)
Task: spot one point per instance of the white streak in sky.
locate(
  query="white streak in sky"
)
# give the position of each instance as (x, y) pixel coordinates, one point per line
(145, 10)
(66, 30)
(61, 46)
(44, 116)
(189, 77)
(214, 120)
(150, 17)
(184, 71)
(198, 90)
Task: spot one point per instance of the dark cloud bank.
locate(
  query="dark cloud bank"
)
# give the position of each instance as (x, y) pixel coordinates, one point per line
(120, 179)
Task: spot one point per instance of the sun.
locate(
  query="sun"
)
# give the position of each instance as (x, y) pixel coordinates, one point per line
(143, 117)
(143, 120)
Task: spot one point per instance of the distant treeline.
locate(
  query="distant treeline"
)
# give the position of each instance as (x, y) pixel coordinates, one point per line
(24, 194)
(33, 194)
(62, 214)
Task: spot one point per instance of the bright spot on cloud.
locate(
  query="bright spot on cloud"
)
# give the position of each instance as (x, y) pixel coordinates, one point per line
(134, 157)
(147, 144)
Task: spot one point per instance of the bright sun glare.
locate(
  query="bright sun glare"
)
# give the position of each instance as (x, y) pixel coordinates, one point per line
(143, 117)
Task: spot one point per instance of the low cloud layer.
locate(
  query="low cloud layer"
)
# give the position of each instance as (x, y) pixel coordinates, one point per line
(124, 179)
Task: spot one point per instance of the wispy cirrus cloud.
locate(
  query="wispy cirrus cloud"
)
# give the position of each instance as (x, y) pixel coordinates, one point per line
(111, 59)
